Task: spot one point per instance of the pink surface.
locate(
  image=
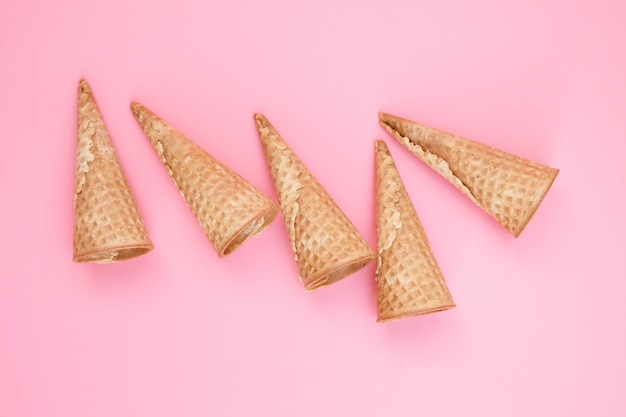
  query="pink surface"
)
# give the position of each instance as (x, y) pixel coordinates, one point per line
(540, 325)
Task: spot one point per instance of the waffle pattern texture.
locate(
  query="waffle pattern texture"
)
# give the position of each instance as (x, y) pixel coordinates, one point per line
(326, 245)
(408, 279)
(108, 226)
(229, 209)
(506, 186)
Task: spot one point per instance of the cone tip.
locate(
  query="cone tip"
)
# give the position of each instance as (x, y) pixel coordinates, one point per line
(263, 123)
(387, 120)
(381, 148)
(83, 87)
(261, 120)
(135, 108)
(140, 111)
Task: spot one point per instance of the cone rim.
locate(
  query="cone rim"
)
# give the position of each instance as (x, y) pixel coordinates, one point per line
(534, 209)
(413, 312)
(102, 255)
(246, 231)
(338, 272)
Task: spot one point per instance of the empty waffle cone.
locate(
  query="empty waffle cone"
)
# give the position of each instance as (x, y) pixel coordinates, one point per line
(229, 209)
(326, 245)
(506, 186)
(408, 279)
(108, 226)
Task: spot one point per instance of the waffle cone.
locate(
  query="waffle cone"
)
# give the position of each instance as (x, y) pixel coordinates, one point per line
(108, 226)
(408, 279)
(326, 245)
(229, 209)
(506, 186)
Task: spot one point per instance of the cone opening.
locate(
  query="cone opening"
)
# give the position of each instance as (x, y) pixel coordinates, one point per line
(338, 273)
(413, 312)
(517, 231)
(113, 255)
(253, 228)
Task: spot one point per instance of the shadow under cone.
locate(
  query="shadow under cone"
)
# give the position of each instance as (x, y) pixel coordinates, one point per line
(408, 279)
(108, 226)
(506, 186)
(229, 209)
(326, 245)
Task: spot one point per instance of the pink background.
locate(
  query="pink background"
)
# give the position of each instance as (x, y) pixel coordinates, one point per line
(539, 328)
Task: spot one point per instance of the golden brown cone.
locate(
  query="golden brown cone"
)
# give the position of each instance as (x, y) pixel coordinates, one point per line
(506, 186)
(408, 279)
(229, 209)
(326, 245)
(108, 226)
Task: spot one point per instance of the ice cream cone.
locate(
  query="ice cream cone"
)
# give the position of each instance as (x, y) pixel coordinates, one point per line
(229, 209)
(408, 279)
(506, 186)
(108, 226)
(326, 245)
